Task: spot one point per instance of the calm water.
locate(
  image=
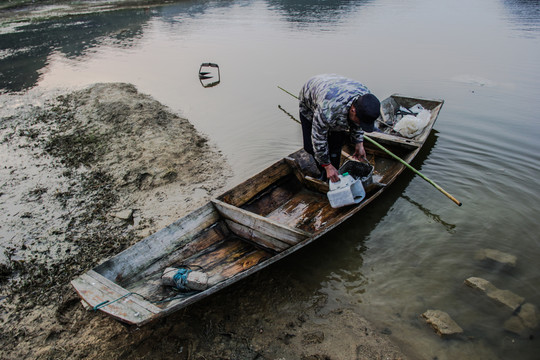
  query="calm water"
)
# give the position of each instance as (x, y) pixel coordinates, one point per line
(413, 248)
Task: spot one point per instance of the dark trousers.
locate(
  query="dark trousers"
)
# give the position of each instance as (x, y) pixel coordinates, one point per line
(336, 140)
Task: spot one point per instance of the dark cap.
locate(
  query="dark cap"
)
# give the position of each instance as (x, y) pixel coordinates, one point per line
(368, 109)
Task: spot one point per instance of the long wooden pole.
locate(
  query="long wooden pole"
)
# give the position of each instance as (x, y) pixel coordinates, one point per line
(413, 169)
(401, 161)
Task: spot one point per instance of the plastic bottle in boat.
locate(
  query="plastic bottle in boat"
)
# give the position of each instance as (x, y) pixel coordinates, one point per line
(347, 191)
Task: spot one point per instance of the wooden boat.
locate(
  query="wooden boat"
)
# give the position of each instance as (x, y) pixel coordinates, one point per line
(260, 221)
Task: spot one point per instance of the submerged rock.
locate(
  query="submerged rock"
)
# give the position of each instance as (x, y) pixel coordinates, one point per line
(442, 323)
(496, 257)
(529, 315)
(504, 297)
(523, 322)
(515, 325)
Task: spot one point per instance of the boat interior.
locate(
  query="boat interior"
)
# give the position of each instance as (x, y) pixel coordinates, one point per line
(253, 222)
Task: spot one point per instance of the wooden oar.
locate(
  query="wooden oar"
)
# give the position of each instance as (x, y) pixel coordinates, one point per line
(400, 160)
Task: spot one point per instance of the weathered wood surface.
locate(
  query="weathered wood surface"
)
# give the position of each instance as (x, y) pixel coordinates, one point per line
(140, 256)
(309, 211)
(261, 224)
(116, 301)
(226, 259)
(306, 180)
(274, 196)
(394, 140)
(257, 237)
(316, 185)
(148, 283)
(247, 190)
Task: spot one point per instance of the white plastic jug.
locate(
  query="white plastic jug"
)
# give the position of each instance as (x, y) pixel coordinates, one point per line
(347, 191)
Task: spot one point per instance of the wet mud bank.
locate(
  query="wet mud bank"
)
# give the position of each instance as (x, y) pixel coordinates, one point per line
(85, 175)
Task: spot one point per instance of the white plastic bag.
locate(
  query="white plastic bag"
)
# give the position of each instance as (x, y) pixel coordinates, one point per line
(410, 126)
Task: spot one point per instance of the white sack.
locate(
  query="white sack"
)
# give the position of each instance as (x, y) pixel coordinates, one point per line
(410, 126)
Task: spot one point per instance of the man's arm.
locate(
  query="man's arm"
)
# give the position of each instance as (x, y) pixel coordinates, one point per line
(319, 138)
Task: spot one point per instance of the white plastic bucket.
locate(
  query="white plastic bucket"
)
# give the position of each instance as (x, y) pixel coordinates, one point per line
(347, 191)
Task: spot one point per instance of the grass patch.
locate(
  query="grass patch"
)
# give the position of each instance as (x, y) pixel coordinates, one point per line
(79, 148)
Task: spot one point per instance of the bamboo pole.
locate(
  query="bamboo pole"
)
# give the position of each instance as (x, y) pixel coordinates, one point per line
(401, 161)
(413, 169)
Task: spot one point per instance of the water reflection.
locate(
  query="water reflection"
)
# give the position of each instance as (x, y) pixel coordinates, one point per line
(209, 75)
(26, 51)
(308, 14)
(191, 9)
(525, 14)
(449, 227)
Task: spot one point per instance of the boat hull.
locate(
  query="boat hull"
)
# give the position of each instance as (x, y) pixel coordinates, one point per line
(253, 225)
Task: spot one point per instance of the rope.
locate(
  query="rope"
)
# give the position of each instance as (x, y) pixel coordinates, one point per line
(107, 302)
(180, 278)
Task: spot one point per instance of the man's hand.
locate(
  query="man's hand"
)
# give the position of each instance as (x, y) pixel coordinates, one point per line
(332, 173)
(359, 152)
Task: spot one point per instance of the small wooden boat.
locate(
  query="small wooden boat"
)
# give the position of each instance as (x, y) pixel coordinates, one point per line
(260, 221)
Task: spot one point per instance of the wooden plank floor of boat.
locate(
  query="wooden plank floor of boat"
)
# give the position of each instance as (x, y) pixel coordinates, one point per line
(307, 210)
(292, 205)
(224, 259)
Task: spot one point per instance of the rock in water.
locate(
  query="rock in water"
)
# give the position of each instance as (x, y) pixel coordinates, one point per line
(515, 325)
(497, 257)
(504, 297)
(529, 315)
(524, 321)
(442, 323)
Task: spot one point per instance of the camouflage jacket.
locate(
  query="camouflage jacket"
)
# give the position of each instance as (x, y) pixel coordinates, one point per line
(325, 100)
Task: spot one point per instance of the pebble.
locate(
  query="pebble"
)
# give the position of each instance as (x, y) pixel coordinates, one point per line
(126, 215)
